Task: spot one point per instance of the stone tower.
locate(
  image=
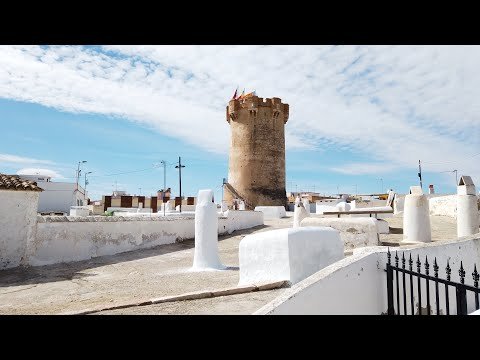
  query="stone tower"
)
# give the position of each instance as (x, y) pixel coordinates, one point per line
(256, 171)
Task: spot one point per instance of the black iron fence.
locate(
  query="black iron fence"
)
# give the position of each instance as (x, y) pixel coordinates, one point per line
(407, 293)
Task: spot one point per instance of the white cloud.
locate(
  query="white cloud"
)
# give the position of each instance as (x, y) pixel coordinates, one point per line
(20, 160)
(364, 168)
(396, 104)
(42, 172)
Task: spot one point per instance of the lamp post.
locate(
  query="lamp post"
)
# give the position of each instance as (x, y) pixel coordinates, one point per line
(86, 182)
(78, 171)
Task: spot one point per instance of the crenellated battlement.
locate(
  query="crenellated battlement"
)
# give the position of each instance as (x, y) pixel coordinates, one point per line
(253, 103)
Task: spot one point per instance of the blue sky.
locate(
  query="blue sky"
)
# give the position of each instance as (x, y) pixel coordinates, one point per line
(358, 114)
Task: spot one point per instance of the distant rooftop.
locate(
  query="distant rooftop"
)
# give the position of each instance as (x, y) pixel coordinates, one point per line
(14, 182)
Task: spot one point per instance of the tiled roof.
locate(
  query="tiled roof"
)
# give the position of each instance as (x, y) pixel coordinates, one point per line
(14, 182)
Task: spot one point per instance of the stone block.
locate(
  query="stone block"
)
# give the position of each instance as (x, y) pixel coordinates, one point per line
(288, 254)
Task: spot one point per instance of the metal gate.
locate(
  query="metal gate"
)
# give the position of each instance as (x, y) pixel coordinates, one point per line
(415, 279)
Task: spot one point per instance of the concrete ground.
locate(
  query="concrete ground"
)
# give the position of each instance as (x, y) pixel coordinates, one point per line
(443, 228)
(241, 304)
(131, 276)
(152, 273)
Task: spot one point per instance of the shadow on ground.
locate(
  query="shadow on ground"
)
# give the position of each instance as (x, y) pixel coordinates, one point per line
(394, 230)
(73, 270)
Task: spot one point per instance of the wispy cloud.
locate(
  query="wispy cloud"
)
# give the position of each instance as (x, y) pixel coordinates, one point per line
(39, 171)
(364, 168)
(396, 104)
(8, 159)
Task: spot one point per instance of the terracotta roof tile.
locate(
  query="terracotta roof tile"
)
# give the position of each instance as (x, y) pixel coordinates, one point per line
(14, 182)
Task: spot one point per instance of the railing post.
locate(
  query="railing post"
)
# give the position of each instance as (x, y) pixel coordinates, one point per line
(461, 300)
(391, 310)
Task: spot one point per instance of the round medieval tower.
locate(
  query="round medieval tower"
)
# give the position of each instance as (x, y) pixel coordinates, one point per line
(256, 170)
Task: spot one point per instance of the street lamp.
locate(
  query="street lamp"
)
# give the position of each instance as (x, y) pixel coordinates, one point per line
(86, 182)
(78, 171)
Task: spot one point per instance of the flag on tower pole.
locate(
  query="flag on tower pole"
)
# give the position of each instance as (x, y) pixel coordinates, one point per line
(235, 94)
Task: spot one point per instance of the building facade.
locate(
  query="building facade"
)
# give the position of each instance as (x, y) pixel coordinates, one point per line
(57, 197)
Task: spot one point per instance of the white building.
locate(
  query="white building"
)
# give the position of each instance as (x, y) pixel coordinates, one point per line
(18, 213)
(57, 196)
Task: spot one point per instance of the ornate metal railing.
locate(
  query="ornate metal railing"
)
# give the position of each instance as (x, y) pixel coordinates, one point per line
(415, 278)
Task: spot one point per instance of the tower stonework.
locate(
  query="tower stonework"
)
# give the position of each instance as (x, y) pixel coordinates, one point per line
(256, 168)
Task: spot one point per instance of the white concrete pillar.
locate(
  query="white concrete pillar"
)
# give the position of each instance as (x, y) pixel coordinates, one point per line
(299, 214)
(306, 205)
(467, 207)
(398, 204)
(416, 217)
(206, 233)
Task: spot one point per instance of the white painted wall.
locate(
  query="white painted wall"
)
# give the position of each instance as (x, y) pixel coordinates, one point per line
(59, 196)
(18, 214)
(185, 208)
(79, 211)
(356, 285)
(443, 205)
(272, 212)
(287, 254)
(354, 232)
(65, 239)
(238, 220)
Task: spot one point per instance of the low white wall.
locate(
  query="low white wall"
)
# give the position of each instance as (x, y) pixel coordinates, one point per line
(238, 220)
(18, 213)
(354, 232)
(443, 205)
(185, 208)
(65, 239)
(272, 212)
(79, 211)
(357, 284)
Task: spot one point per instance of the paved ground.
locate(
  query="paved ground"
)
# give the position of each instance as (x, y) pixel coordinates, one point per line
(111, 280)
(241, 304)
(157, 272)
(443, 228)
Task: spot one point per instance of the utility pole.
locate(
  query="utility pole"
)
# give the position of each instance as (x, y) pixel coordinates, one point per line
(78, 172)
(86, 182)
(164, 184)
(420, 173)
(179, 167)
(456, 178)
